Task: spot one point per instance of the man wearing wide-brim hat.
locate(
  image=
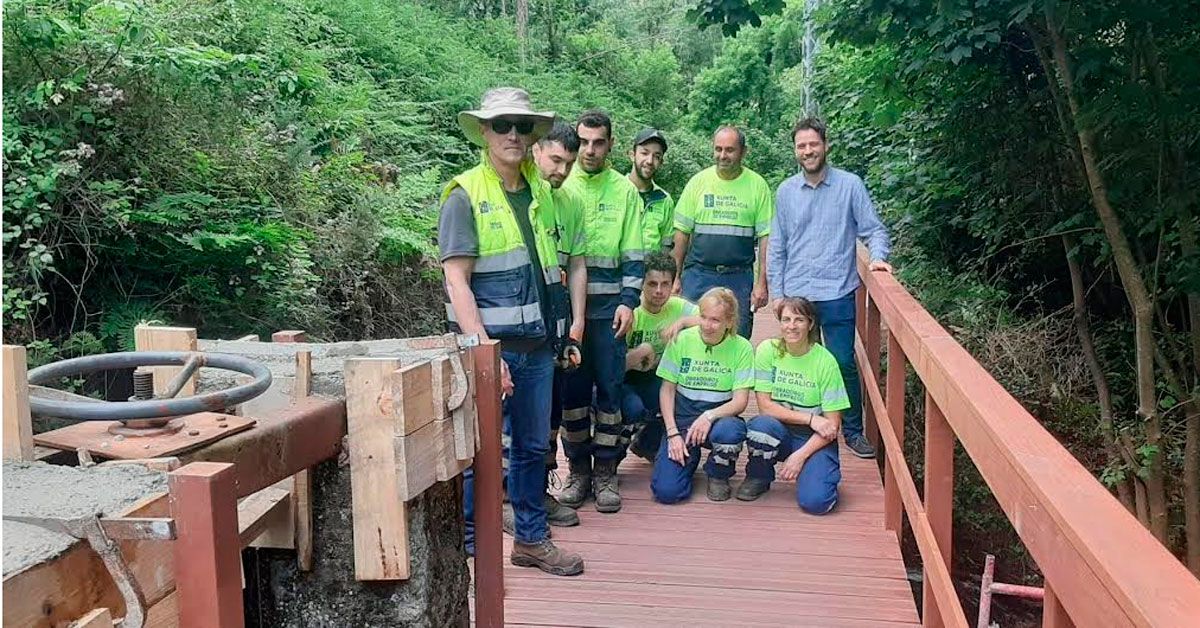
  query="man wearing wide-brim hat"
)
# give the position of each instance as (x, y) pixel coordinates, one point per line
(496, 233)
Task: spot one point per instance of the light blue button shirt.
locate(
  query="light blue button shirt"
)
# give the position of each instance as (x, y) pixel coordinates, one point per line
(811, 249)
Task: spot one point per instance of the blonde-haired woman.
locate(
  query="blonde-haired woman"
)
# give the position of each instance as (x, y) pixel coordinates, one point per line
(707, 374)
(801, 398)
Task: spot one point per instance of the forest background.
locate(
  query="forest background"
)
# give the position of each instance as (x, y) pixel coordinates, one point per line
(244, 166)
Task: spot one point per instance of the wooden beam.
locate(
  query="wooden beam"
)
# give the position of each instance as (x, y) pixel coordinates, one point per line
(289, 335)
(56, 592)
(302, 507)
(380, 517)
(99, 618)
(1053, 613)
(872, 339)
(208, 549)
(18, 426)
(489, 547)
(258, 511)
(151, 338)
(1106, 569)
(897, 369)
(939, 499)
(937, 573)
(302, 516)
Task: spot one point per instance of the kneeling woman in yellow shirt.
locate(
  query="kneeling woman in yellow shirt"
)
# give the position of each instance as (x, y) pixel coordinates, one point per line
(707, 374)
(801, 398)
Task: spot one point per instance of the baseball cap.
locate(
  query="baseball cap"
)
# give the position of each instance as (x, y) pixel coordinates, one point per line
(647, 134)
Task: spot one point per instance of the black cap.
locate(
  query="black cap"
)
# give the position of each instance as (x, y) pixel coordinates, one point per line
(647, 134)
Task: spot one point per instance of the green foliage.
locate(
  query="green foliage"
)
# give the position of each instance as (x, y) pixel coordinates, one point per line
(732, 15)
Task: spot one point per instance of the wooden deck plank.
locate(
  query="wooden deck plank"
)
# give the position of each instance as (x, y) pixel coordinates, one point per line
(800, 581)
(542, 613)
(761, 563)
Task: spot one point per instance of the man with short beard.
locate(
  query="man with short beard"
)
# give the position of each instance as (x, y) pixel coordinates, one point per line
(555, 156)
(612, 223)
(649, 148)
(721, 222)
(820, 213)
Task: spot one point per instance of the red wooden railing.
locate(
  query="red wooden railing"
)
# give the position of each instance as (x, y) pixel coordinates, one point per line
(1101, 567)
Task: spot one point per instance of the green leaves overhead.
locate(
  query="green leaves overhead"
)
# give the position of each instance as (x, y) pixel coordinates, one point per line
(732, 15)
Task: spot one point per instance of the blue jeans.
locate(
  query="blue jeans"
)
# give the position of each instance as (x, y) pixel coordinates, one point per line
(639, 407)
(769, 441)
(699, 279)
(598, 378)
(526, 423)
(837, 329)
(671, 482)
(556, 407)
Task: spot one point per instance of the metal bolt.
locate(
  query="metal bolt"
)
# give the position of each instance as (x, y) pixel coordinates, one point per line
(143, 384)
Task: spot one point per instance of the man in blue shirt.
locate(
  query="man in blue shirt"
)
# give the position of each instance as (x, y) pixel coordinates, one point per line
(820, 213)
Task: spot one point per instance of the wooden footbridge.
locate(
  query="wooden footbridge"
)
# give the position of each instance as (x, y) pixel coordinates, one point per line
(413, 413)
(767, 563)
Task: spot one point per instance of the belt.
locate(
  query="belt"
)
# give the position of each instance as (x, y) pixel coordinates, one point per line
(723, 269)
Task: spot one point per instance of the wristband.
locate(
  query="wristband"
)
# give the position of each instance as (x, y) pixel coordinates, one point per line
(670, 436)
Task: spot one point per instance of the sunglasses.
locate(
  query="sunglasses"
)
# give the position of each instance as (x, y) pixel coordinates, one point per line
(502, 126)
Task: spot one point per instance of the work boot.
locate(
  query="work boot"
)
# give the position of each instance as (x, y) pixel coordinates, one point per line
(547, 557)
(579, 484)
(508, 520)
(718, 489)
(604, 485)
(636, 446)
(560, 515)
(860, 446)
(751, 489)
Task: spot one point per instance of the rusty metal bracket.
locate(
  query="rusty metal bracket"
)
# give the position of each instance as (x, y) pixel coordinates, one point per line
(458, 386)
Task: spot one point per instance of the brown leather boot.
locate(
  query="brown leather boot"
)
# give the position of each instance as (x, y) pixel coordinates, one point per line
(547, 557)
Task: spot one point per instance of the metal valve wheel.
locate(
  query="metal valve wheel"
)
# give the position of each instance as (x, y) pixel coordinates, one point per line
(162, 406)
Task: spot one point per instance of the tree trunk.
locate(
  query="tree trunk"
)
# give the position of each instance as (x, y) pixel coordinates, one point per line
(523, 28)
(1099, 378)
(1135, 290)
(1188, 383)
(1191, 485)
(551, 42)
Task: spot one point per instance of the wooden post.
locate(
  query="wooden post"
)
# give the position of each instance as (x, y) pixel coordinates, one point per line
(207, 551)
(302, 505)
(290, 335)
(897, 368)
(151, 338)
(860, 310)
(380, 516)
(871, 341)
(18, 425)
(939, 497)
(1053, 613)
(489, 547)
